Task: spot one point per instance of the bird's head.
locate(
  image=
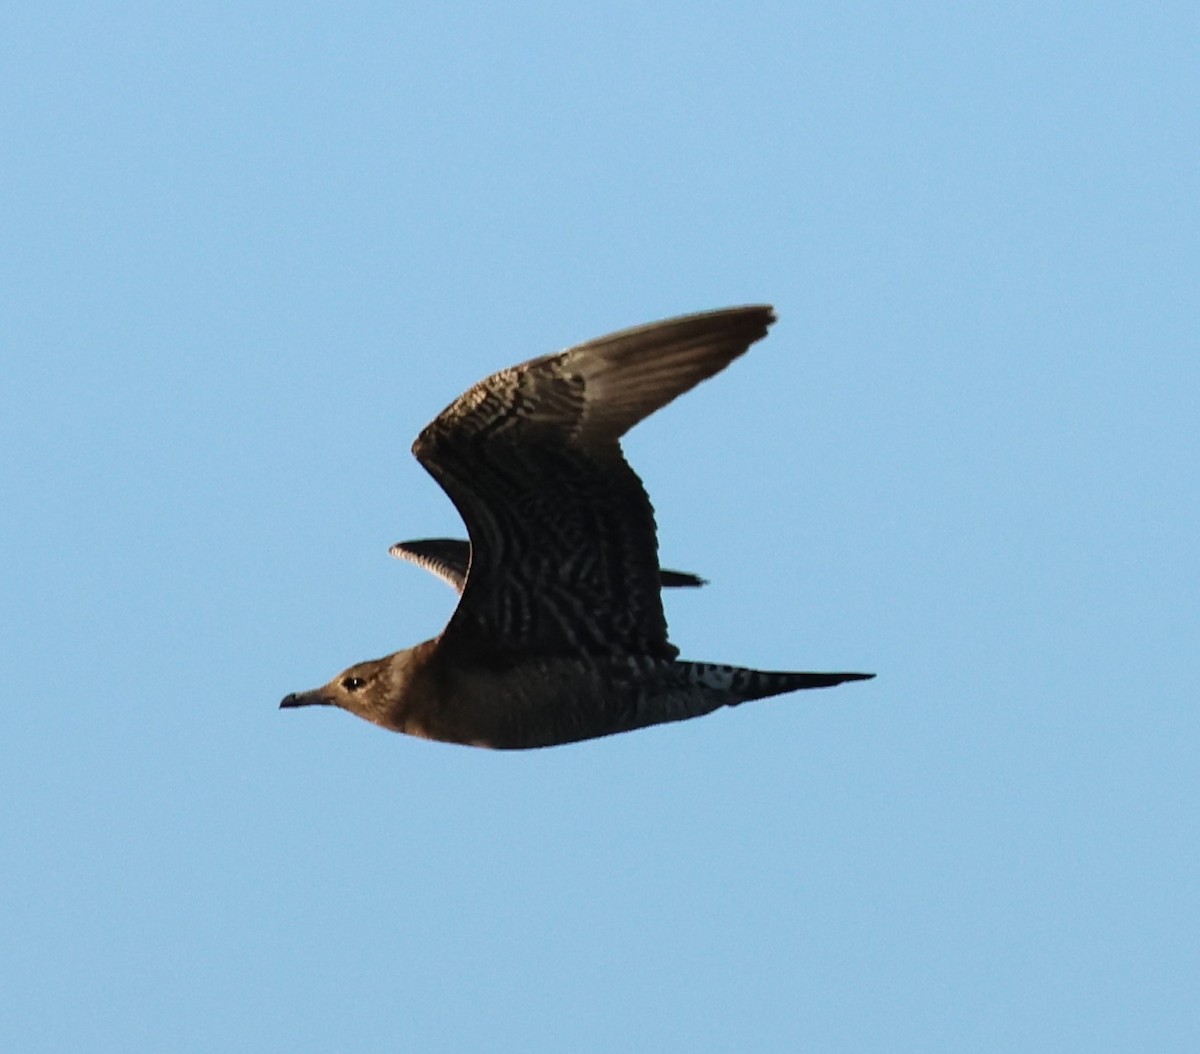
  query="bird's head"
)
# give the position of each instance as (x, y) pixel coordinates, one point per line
(371, 690)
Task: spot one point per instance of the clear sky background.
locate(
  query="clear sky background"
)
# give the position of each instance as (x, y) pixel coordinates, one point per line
(248, 251)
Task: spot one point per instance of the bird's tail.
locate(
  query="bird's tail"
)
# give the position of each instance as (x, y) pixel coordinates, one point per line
(744, 684)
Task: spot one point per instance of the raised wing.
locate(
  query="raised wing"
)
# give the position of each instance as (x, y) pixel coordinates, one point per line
(564, 548)
(448, 558)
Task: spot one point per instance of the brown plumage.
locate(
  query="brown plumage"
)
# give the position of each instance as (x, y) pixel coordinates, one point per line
(559, 634)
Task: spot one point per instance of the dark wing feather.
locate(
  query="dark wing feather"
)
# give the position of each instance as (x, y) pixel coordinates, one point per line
(669, 579)
(564, 549)
(448, 558)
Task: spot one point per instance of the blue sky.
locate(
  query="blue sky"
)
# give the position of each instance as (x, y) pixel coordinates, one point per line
(250, 251)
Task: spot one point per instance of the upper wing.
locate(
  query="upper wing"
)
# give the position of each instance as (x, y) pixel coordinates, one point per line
(448, 558)
(564, 555)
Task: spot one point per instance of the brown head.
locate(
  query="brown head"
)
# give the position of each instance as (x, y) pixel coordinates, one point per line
(377, 690)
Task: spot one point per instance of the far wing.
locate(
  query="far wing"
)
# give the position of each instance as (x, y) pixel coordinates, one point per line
(448, 558)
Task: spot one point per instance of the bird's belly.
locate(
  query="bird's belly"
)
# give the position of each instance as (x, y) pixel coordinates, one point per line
(552, 702)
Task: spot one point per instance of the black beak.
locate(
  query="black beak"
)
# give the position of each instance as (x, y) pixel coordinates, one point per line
(303, 699)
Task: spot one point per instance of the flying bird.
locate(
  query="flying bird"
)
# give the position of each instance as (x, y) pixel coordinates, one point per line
(559, 633)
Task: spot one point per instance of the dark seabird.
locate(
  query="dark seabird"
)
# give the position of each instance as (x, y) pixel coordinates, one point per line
(559, 634)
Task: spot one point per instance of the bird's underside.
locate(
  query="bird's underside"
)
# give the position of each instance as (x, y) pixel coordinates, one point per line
(559, 633)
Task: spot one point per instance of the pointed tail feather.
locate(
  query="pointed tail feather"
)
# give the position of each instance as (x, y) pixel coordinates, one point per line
(742, 684)
(758, 684)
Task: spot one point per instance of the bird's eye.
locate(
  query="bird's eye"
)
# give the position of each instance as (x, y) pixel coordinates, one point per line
(353, 684)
